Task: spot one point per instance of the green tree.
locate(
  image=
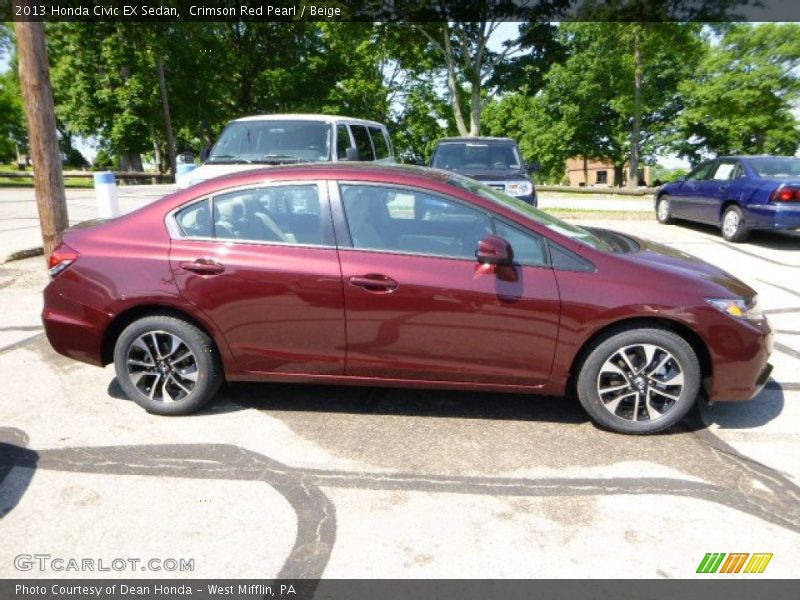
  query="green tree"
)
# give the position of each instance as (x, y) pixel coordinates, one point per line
(741, 98)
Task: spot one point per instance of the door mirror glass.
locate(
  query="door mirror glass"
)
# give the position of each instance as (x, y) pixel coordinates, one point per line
(494, 250)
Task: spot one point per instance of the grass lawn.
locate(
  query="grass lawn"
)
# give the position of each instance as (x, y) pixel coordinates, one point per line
(27, 182)
(621, 215)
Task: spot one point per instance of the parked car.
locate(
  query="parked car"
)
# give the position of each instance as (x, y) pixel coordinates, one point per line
(252, 142)
(495, 161)
(344, 274)
(736, 193)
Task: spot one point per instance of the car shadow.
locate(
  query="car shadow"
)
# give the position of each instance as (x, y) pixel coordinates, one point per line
(759, 411)
(773, 240)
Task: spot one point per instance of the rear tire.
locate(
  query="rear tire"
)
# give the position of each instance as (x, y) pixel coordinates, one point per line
(663, 212)
(639, 381)
(733, 226)
(167, 365)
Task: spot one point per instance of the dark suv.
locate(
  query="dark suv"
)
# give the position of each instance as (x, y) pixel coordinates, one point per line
(497, 162)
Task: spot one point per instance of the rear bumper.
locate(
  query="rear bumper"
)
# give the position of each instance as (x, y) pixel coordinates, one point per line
(73, 329)
(784, 215)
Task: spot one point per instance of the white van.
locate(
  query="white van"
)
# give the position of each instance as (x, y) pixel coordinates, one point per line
(293, 138)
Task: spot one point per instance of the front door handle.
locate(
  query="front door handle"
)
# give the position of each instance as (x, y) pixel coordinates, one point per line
(374, 282)
(202, 266)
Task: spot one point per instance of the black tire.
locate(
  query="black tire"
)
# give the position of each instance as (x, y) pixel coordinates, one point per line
(663, 212)
(186, 384)
(733, 227)
(597, 371)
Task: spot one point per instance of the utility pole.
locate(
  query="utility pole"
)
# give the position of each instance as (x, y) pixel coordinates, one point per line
(48, 178)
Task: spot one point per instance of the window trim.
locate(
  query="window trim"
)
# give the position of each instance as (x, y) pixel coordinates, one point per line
(176, 233)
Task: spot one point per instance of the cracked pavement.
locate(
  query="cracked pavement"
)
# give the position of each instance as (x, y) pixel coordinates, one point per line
(276, 480)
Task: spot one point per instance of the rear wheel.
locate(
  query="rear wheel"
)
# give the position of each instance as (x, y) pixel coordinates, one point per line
(663, 211)
(166, 365)
(733, 226)
(639, 381)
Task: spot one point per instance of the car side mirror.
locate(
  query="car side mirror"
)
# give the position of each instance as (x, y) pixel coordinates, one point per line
(352, 154)
(494, 250)
(533, 166)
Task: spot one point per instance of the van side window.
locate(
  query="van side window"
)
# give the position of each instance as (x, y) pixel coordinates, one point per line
(363, 143)
(379, 141)
(342, 142)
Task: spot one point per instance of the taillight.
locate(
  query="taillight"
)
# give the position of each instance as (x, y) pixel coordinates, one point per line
(786, 193)
(62, 257)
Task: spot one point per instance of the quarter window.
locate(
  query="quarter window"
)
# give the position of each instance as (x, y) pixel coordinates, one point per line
(379, 142)
(528, 247)
(412, 221)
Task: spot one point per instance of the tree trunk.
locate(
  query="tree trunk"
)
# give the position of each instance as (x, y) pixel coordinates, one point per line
(585, 171)
(633, 174)
(162, 86)
(131, 161)
(452, 83)
(156, 151)
(48, 178)
(475, 110)
(619, 171)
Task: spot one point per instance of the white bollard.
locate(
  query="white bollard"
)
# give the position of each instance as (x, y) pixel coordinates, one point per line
(181, 174)
(105, 189)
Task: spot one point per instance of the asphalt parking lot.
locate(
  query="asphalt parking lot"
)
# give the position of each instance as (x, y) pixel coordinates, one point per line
(310, 481)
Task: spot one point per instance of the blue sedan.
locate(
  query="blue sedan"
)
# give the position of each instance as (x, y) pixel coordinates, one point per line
(737, 194)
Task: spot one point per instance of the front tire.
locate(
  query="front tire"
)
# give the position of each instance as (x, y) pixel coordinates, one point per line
(733, 226)
(639, 381)
(663, 211)
(167, 365)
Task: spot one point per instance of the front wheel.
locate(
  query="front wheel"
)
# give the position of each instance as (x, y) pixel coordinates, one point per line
(639, 381)
(166, 365)
(733, 225)
(663, 210)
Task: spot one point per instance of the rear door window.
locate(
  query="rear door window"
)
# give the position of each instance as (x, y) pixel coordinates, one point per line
(342, 142)
(363, 143)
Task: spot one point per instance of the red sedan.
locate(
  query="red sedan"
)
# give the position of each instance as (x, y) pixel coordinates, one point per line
(398, 276)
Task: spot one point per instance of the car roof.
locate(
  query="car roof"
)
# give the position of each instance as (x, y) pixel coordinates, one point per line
(467, 140)
(305, 117)
(747, 156)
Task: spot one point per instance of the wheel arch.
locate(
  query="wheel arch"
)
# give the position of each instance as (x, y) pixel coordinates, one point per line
(687, 333)
(125, 318)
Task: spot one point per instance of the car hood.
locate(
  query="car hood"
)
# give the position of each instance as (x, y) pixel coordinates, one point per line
(207, 171)
(492, 174)
(688, 268)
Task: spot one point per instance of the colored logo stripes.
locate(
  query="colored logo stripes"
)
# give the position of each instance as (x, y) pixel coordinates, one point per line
(737, 562)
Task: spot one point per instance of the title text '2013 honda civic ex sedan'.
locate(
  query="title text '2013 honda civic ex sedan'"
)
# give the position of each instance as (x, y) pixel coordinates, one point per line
(345, 274)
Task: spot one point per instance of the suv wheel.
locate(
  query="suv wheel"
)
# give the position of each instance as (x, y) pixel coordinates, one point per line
(639, 381)
(167, 366)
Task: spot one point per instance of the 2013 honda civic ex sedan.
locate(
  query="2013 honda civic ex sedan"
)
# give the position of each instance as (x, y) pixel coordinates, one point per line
(342, 274)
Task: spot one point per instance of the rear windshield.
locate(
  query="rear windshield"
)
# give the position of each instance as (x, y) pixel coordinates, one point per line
(477, 155)
(777, 167)
(573, 232)
(273, 141)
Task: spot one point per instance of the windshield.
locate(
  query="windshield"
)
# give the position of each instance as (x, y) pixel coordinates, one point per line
(777, 166)
(273, 141)
(520, 206)
(486, 156)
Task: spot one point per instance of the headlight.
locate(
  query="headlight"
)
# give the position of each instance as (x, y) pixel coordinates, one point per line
(519, 188)
(738, 308)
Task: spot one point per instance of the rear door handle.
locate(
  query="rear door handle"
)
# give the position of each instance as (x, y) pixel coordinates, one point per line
(374, 282)
(202, 266)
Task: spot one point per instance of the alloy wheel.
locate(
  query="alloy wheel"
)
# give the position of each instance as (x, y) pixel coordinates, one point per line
(641, 382)
(730, 224)
(162, 367)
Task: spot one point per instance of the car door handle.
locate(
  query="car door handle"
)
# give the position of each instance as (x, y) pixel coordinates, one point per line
(722, 188)
(374, 282)
(203, 266)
